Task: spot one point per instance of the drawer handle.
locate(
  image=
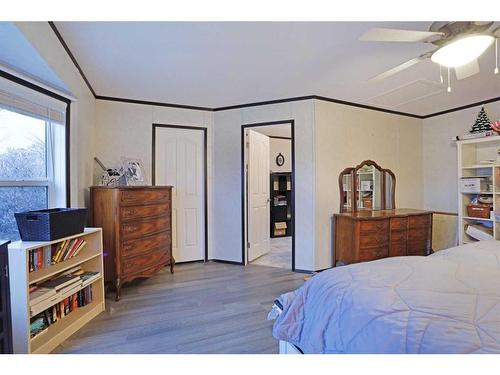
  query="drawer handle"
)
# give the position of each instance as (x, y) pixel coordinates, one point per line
(130, 212)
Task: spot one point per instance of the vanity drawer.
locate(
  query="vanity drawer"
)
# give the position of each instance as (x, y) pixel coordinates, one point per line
(420, 221)
(145, 261)
(373, 253)
(417, 248)
(374, 226)
(374, 239)
(398, 224)
(137, 229)
(139, 197)
(399, 236)
(136, 247)
(397, 249)
(138, 212)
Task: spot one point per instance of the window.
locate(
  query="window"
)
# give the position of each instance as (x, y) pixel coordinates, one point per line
(32, 154)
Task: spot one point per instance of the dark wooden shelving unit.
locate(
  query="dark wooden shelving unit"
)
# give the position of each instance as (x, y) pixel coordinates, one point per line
(281, 202)
(5, 320)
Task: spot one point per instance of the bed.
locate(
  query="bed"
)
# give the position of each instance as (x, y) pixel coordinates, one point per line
(448, 302)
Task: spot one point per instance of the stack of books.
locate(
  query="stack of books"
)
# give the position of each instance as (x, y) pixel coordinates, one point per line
(54, 299)
(41, 322)
(45, 256)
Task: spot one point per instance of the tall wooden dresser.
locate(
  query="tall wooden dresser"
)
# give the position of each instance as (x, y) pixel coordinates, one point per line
(362, 236)
(5, 314)
(137, 230)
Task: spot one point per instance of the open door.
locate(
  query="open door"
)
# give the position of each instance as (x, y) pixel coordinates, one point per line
(258, 195)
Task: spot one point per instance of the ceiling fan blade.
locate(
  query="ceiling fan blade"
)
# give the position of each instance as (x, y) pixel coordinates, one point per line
(395, 35)
(467, 70)
(397, 69)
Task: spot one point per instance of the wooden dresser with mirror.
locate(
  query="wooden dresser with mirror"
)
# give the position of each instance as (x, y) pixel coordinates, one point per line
(369, 226)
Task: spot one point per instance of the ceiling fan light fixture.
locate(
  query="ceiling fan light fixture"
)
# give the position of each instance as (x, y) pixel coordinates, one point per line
(462, 51)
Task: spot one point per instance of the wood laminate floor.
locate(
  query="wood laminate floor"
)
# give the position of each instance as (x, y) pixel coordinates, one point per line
(202, 308)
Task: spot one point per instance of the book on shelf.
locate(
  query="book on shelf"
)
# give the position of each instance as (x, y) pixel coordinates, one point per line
(40, 294)
(61, 281)
(487, 133)
(46, 256)
(42, 320)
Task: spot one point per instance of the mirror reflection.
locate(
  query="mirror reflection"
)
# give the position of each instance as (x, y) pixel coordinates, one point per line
(368, 185)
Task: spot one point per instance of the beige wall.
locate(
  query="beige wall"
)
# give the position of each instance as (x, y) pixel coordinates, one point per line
(280, 146)
(82, 119)
(126, 129)
(440, 155)
(344, 137)
(227, 177)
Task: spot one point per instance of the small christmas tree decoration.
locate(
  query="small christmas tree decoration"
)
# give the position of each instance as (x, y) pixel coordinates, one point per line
(482, 123)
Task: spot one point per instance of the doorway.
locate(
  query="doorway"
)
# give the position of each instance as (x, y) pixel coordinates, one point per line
(180, 159)
(268, 194)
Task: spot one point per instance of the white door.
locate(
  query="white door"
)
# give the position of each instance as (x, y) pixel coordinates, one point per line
(179, 161)
(258, 195)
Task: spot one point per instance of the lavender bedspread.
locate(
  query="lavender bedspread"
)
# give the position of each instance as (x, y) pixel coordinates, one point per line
(448, 302)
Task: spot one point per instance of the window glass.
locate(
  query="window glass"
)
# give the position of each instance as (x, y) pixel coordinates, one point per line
(18, 199)
(23, 151)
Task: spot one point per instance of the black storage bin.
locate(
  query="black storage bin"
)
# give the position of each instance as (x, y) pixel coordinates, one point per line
(51, 224)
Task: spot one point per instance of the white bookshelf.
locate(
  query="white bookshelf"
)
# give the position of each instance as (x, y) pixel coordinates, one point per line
(470, 152)
(89, 258)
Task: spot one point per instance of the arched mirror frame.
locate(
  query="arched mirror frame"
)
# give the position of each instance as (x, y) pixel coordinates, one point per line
(352, 172)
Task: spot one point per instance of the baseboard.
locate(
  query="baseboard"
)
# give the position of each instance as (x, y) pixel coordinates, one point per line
(226, 261)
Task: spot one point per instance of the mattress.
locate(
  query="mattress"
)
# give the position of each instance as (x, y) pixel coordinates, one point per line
(448, 302)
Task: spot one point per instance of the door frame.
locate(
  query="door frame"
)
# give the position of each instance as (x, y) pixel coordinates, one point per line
(205, 163)
(244, 226)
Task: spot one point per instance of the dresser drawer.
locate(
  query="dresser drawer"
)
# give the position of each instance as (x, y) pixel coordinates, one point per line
(398, 224)
(140, 263)
(372, 239)
(156, 241)
(138, 212)
(373, 253)
(399, 236)
(137, 229)
(420, 221)
(417, 248)
(419, 234)
(397, 249)
(141, 196)
(374, 226)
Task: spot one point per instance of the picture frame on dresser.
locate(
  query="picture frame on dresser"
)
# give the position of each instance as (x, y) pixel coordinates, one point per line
(137, 231)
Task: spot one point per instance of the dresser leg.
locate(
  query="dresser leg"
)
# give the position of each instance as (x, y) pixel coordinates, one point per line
(172, 262)
(118, 288)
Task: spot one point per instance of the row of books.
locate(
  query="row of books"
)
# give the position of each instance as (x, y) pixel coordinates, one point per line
(45, 256)
(46, 294)
(41, 322)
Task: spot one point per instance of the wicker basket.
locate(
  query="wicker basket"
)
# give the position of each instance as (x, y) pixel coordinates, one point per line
(51, 224)
(481, 211)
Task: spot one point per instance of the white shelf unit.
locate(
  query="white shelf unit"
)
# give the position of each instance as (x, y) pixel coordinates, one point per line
(470, 152)
(90, 259)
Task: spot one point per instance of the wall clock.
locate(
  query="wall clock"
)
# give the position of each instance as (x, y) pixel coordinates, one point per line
(280, 160)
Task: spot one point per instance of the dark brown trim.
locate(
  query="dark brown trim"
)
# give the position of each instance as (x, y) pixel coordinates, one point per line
(462, 107)
(44, 91)
(255, 104)
(66, 48)
(243, 195)
(159, 104)
(205, 168)
(364, 106)
(272, 136)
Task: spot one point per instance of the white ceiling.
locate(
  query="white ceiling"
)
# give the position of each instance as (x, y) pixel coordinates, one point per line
(217, 64)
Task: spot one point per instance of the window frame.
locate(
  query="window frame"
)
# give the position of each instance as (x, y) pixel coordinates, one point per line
(48, 181)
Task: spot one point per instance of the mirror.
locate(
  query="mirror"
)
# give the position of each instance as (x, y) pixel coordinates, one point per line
(369, 186)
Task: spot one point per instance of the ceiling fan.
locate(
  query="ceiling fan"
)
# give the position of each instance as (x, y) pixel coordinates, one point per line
(459, 44)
